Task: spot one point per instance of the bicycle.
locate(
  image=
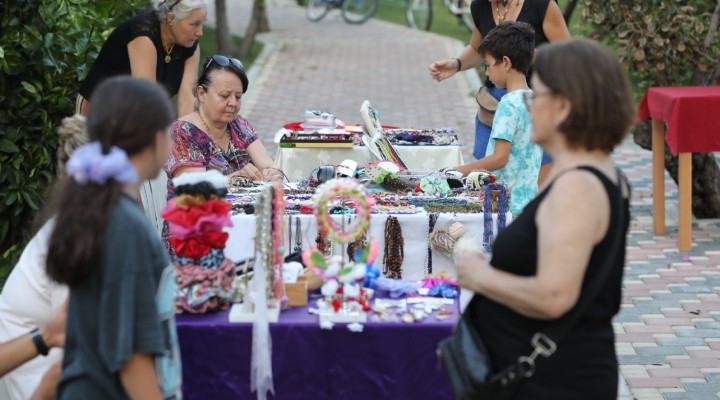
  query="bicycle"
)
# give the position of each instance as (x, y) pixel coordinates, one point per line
(419, 13)
(353, 11)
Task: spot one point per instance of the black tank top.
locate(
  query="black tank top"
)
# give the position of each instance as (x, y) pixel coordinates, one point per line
(114, 60)
(584, 365)
(532, 11)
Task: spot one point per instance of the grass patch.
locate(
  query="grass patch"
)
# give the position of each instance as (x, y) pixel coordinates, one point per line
(447, 24)
(208, 47)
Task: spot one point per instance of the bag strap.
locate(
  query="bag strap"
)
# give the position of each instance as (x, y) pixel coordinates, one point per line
(545, 343)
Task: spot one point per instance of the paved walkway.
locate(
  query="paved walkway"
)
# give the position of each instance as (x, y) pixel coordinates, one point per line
(668, 331)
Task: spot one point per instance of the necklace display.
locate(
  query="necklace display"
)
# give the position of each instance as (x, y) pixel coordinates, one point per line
(210, 132)
(394, 249)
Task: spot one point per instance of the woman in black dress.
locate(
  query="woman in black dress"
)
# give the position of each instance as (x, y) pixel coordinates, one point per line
(581, 108)
(159, 45)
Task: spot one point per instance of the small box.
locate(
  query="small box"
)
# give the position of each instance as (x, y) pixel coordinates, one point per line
(297, 293)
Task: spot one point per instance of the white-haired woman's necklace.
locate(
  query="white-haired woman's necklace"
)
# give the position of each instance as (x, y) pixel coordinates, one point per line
(168, 49)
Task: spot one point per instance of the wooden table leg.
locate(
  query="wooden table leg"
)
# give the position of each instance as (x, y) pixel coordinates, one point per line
(685, 201)
(658, 165)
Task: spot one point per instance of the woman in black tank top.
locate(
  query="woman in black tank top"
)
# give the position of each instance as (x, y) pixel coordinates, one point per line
(542, 262)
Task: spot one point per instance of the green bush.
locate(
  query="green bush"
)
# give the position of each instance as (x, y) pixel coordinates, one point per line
(46, 48)
(661, 42)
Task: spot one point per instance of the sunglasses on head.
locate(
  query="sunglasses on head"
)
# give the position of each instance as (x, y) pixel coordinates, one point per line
(223, 62)
(173, 5)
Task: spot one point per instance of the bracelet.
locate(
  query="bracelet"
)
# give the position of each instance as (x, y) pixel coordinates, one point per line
(459, 64)
(40, 345)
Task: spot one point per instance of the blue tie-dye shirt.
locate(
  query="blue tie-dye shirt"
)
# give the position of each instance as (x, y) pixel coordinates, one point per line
(512, 123)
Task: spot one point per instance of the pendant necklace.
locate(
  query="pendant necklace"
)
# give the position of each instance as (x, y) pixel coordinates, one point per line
(210, 133)
(169, 50)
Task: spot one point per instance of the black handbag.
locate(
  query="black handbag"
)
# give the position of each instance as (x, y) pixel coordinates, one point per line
(466, 360)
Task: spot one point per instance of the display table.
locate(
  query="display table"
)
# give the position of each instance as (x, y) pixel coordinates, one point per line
(297, 163)
(240, 244)
(388, 360)
(693, 125)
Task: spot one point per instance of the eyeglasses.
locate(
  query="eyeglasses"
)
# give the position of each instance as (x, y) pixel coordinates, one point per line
(529, 97)
(223, 62)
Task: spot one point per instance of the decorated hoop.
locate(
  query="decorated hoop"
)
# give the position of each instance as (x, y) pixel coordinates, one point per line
(348, 190)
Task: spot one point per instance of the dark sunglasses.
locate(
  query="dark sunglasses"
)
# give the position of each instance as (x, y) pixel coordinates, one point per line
(223, 62)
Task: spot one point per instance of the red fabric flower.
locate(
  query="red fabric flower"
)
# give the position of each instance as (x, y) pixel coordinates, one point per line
(336, 303)
(189, 217)
(192, 248)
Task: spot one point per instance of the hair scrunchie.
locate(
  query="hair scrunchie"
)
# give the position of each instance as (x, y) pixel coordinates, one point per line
(89, 164)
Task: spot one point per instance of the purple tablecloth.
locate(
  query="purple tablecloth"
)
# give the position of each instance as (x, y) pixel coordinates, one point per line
(388, 360)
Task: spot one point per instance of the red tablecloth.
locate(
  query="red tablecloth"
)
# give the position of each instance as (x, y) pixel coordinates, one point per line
(692, 114)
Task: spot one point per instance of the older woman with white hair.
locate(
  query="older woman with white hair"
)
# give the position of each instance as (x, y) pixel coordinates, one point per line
(160, 45)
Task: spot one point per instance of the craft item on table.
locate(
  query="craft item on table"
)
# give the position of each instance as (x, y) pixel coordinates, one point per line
(346, 169)
(377, 143)
(462, 208)
(432, 219)
(317, 140)
(297, 238)
(242, 182)
(436, 137)
(502, 209)
(346, 191)
(356, 245)
(478, 180)
(394, 249)
(435, 184)
(385, 174)
(455, 242)
(344, 297)
(196, 217)
(319, 119)
(396, 287)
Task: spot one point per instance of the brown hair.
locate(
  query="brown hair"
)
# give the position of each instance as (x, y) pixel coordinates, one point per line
(589, 75)
(511, 39)
(126, 112)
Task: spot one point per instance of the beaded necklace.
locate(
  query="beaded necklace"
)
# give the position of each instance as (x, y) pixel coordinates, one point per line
(394, 249)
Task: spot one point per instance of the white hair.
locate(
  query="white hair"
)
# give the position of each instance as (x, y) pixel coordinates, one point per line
(182, 9)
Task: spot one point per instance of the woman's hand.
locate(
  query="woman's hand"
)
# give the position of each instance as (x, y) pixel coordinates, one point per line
(443, 69)
(272, 174)
(249, 171)
(471, 268)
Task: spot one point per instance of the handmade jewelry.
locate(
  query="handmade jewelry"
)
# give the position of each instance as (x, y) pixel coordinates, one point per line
(349, 191)
(394, 249)
(298, 235)
(488, 237)
(432, 219)
(454, 208)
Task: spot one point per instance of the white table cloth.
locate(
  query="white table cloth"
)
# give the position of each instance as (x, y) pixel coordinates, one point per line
(240, 244)
(297, 163)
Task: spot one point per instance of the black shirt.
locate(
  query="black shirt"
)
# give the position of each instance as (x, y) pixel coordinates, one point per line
(584, 365)
(114, 59)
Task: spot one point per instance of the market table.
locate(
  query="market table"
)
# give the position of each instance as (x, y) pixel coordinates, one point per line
(240, 244)
(388, 360)
(297, 163)
(692, 114)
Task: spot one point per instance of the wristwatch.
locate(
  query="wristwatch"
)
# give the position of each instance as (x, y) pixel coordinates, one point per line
(40, 345)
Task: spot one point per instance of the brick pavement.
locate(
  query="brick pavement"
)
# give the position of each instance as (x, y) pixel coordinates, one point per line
(668, 330)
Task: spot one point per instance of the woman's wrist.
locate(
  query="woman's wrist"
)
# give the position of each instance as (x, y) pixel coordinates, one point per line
(459, 63)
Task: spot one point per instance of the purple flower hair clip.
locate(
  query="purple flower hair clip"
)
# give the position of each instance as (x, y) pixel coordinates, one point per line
(89, 164)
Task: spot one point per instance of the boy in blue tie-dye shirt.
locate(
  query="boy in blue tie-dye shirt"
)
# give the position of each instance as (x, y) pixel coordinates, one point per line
(508, 51)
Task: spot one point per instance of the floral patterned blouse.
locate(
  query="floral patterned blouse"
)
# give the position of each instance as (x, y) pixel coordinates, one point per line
(192, 147)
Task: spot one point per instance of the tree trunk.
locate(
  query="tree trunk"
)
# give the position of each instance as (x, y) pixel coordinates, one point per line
(569, 9)
(705, 174)
(224, 37)
(258, 23)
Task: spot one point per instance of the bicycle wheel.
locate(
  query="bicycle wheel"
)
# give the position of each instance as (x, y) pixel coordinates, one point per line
(317, 9)
(419, 14)
(358, 11)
